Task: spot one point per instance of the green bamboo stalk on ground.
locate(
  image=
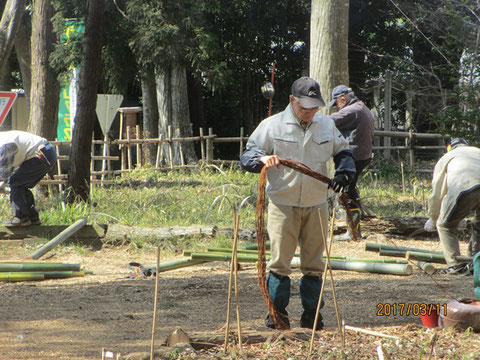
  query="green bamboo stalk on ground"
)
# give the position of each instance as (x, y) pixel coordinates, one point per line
(435, 258)
(21, 276)
(60, 238)
(173, 264)
(372, 246)
(36, 266)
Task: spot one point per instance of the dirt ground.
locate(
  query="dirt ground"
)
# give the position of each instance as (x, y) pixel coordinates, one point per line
(76, 318)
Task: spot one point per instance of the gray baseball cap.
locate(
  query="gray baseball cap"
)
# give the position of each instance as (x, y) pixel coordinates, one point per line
(308, 93)
(340, 90)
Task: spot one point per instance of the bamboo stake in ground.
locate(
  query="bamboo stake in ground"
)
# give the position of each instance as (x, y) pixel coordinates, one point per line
(233, 278)
(327, 268)
(155, 299)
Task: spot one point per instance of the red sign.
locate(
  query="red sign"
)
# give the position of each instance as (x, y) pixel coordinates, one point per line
(6, 102)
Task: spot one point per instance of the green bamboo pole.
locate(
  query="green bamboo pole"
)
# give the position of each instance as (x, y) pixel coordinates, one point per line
(20, 276)
(60, 274)
(435, 258)
(255, 246)
(372, 246)
(392, 253)
(370, 267)
(36, 266)
(60, 238)
(173, 264)
(223, 257)
(425, 266)
(220, 256)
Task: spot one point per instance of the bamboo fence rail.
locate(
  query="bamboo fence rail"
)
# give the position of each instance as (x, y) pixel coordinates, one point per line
(124, 161)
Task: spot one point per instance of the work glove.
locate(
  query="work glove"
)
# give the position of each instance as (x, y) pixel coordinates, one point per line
(430, 225)
(339, 182)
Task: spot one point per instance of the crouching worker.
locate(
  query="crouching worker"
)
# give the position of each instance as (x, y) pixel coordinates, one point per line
(24, 160)
(301, 134)
(455, 194)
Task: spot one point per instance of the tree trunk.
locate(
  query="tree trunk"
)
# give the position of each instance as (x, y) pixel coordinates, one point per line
(22, 49)
(44, 86)
(150, 112)
(9, 24)
(173, 110)
(80, 156)
(329, 45)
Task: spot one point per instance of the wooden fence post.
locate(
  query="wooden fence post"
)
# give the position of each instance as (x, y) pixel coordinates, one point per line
(170, 145)
(376, 113)
(409, 126)
(129, 149)
(210, 146)
(138, 134)
(202, 144)
(241, 141)
(159, 151)
(388, 113)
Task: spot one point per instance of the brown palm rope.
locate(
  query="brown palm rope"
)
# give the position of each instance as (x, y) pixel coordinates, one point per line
(260, 229)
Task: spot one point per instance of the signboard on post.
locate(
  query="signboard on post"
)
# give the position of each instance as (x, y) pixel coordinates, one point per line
(107, 107)
(6, 102)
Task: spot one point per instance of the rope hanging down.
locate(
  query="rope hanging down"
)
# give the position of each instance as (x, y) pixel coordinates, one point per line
(260, 229)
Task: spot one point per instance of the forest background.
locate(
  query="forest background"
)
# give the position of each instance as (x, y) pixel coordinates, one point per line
(201, 64)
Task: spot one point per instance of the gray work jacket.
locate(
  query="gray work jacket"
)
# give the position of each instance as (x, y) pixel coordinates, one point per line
(283, 135)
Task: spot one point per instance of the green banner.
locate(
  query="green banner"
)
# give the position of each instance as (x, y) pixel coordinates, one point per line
(74, 28)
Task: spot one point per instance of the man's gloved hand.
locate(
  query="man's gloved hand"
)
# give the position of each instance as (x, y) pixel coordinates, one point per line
(430, 225)
(339, 182)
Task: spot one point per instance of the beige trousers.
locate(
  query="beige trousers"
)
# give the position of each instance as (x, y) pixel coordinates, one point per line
(290, 225)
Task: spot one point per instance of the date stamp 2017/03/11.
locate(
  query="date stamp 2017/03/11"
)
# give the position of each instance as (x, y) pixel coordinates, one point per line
(406, 309)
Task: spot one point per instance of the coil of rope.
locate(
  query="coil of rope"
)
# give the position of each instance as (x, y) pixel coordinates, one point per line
(260, 230)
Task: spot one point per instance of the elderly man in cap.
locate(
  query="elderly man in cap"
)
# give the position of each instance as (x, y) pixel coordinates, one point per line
(356, 123)
(24, 160)
(302, 134)
(455, 194)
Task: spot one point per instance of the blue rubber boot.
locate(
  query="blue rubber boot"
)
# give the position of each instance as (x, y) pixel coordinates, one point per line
(310, 287)
(279, 289)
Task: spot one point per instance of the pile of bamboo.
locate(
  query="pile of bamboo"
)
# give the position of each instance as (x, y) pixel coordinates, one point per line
(420, 257)
(35, 271)
(249, 255)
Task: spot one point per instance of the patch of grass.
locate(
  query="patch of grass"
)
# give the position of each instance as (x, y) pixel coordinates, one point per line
(205, 196)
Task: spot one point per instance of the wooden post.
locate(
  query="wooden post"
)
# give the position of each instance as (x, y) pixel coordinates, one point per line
(241, 141)
(92, 166)
(376, 112)
(170, 145)
(441, 142)
(409, 127)
(159, 151)
(129, 149)
(59, 167)
(202, 144)
(104, 161)
(388, 112)
(138, 134)
(122, 146)
(180, 147)
(210, 146)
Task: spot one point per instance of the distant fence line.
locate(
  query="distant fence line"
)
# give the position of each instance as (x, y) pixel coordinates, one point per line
(133, 147)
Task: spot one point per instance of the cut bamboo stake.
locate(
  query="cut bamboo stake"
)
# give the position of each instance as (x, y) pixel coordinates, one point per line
(60, 238)
(329, 268)
(202, 145)
(155, 299)
(369, 332)
(237, 300)
(327, 265)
